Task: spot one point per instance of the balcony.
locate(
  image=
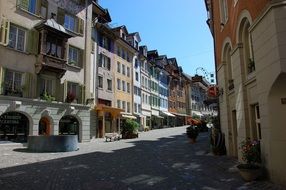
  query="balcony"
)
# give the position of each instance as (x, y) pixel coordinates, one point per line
(53, 47)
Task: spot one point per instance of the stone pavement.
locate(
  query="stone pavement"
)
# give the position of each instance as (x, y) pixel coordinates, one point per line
(158, 159)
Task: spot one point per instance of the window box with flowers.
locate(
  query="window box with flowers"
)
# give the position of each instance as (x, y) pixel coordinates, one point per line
(251, 155)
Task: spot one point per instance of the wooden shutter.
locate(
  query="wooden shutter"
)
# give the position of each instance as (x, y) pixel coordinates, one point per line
(65, 91)
(61, 16)
(4, 31)
(82, 94)
(80, 25)
(80, 61)
(23, 4)
(33, 41)
(26, 82)
(2, 75)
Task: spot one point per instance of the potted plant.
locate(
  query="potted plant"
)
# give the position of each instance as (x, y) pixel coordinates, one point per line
(217, 142)
(130, 129)
(47, 97)
(192, 133)
(250, 169)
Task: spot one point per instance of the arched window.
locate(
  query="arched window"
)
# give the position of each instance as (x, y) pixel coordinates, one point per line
(223, 11)
(246, 40)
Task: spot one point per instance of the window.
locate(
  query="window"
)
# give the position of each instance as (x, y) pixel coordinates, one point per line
(46, 86)
(128, 71)
(74, 56)
(128, 107)
(104, 62)
(118, 103)
(54, 46)
(137, 76)
(73, 92)
(223, 11)
(118, 66)
(128, 87)
(105, 42)
(100, 82)
(109, 84)
(118, 51)
(136, 44)
(123, 86)
(123, 69)
(136, 63)
(17, 38)
(28, 5)
(70, 22)
(12, 83)
(118, 84)
(124, 105)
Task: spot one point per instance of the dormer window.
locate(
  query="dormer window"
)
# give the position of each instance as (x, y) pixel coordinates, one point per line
(123, 36)
(136, 44)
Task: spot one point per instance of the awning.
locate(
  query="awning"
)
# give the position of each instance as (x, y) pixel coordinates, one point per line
(129, 116)
(112, 110)
(196, 113)
(158, 116)
(181, 114)
(168, 114)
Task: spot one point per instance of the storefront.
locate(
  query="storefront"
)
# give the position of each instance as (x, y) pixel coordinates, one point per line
(14, 126)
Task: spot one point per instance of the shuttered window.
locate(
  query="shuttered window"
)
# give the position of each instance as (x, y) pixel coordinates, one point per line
(17, 38)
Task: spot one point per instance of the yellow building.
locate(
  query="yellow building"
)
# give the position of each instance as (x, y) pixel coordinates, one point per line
(123, 58)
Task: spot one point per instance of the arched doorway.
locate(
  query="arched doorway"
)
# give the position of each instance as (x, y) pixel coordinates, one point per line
(69, 125)
(14, 126)
(44, 126)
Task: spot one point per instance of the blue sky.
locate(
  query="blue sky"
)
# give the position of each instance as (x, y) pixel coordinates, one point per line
(175, 28)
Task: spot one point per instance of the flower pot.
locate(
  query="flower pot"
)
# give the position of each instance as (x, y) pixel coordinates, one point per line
(249, 172)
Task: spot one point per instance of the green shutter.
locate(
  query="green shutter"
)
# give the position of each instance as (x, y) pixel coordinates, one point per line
(82, 94)
(4, 31)
(26, 84)
(2, 75)
(33, 41)
(65, 90)
(80, 59)
(23, 4)
(61, 16)
(80, 26)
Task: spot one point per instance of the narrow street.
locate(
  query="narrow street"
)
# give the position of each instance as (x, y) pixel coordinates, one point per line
(158, 159)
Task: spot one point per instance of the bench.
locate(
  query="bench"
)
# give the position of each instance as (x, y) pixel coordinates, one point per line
(112, 136)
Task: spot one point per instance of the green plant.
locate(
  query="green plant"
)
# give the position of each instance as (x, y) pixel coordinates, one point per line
(47, 97)
(192, 132)
(250, 150)
(130, 126)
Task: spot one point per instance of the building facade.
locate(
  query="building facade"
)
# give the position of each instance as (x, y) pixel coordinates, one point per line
(249, 40)
(145, 89)
(134, 40)
(43, 73)
(156, 119)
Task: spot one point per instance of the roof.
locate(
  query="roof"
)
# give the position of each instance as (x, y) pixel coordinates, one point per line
(52, 24)
(123, 27)
(136, 34)
(103, 12)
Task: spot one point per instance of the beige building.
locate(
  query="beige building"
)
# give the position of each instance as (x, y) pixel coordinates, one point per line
(250, 44)
(42, 69)
(123, 58)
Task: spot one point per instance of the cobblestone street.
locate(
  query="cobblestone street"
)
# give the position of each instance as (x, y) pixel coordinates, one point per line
(158, 159)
